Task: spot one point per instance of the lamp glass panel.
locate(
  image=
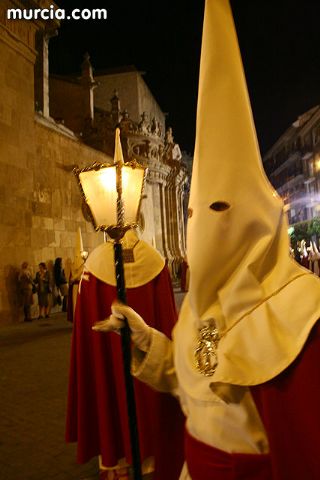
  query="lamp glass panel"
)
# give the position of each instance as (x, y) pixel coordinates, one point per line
(132, 183)
(99, 187)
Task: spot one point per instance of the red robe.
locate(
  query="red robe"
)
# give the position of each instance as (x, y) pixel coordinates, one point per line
(289, 406)
(96, 411)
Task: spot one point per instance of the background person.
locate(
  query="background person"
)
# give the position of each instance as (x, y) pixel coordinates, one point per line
(61, 281)
(80, 255)
(42, 282)
(26, 289)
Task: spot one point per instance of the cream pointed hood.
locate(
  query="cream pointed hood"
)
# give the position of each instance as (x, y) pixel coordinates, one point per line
(241, 273)
(78, 251)
(146, 265)
(78, 261)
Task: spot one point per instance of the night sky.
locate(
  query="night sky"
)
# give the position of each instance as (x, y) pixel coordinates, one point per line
(279, 41)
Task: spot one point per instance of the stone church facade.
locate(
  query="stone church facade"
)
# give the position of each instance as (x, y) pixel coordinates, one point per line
(40, 143)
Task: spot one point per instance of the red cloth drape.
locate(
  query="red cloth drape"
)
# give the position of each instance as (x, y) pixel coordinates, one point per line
(96, 411)
(209, 463)
(289, 406)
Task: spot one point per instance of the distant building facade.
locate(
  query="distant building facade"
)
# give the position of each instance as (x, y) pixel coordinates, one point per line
(39, 146)
(92, 106)
(293, 167)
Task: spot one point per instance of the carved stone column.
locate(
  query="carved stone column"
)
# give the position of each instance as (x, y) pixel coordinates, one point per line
(157, 174)
(175, 220)
(88, 84)
(46, 30)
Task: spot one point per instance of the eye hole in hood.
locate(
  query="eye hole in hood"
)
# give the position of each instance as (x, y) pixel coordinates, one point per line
(219, 206)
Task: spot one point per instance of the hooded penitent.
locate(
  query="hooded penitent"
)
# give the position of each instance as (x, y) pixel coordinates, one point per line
(76, 271)
(97, 414)
(78, 252)
(242, 278)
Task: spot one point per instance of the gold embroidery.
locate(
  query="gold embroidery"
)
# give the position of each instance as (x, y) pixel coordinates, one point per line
(206, 352)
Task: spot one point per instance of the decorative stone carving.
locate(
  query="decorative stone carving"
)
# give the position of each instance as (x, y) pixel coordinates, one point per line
(87, 71)
(144, 126)
(168, 139)
(141, 149)
(126, 124)
(115, 108)
(155, 128)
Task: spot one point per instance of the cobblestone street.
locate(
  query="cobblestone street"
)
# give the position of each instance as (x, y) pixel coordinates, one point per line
(34, 359)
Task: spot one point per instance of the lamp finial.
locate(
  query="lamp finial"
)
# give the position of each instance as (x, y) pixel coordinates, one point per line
(118, 155)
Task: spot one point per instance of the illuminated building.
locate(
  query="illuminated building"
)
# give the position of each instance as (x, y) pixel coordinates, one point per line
(293, 167)
(42, 139)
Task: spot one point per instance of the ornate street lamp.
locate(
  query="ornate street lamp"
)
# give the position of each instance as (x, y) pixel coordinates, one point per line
(112, 194)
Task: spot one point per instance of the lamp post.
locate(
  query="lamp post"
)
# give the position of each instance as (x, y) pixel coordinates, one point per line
(113, 194)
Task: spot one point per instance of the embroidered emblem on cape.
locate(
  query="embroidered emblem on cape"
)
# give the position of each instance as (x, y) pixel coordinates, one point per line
(206, 351)
(127, 255)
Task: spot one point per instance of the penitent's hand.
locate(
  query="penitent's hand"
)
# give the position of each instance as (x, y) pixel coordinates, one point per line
(140, 331)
